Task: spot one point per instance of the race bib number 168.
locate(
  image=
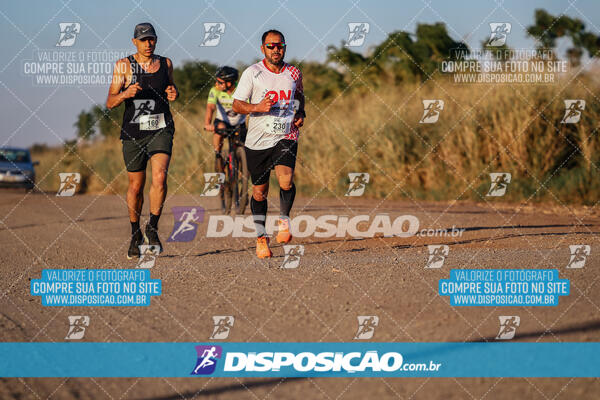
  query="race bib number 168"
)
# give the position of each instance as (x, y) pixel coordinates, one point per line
(152, 122)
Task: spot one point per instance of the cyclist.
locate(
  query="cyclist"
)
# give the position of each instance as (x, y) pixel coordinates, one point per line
(144, 82)
(220, 100)
(272, 87)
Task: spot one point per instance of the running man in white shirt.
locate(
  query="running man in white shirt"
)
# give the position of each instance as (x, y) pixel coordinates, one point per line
(267, 91)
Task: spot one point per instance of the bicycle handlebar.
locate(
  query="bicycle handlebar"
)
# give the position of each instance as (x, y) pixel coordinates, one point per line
(228, 131)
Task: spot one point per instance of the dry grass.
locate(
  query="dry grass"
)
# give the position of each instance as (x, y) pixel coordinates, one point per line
(482, 129)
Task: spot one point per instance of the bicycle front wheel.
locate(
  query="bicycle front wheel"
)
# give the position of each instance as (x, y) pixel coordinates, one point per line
(219, 165)
(242, 167)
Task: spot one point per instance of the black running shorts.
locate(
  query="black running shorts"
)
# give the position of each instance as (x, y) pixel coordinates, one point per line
(136, 153)
(261, 162)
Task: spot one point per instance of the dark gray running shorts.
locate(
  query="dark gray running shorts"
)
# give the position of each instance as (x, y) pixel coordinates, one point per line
(136, 153)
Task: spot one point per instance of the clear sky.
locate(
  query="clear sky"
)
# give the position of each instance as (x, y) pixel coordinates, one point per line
(38, 114)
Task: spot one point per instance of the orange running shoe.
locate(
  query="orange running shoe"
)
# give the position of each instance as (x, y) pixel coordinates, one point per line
(284, 235)
(262, 247)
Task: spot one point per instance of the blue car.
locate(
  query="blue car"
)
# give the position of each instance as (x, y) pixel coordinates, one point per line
(16, 168)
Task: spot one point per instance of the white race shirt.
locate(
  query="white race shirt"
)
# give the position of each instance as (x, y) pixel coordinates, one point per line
(266, 129)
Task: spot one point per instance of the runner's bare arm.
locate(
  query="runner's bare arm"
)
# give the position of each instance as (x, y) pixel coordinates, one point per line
(171, 90)
(115, 96)
(299, 94)
(242, 107)
(300, 114)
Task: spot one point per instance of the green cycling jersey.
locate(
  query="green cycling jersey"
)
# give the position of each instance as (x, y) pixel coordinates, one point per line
(224, 103)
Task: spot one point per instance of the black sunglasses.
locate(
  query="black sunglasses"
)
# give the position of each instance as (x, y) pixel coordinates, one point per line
(271, 46)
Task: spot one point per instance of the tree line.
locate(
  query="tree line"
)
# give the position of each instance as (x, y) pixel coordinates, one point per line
(401, 57)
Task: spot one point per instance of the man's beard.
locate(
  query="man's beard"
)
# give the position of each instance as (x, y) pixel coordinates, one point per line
(272, 61)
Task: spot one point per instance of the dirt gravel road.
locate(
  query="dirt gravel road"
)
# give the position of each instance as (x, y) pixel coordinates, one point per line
(338, 279)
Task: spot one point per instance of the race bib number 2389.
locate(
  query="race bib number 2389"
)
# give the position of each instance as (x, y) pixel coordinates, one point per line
(280, 125)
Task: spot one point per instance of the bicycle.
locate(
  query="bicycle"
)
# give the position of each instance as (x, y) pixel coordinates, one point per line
(234, 191)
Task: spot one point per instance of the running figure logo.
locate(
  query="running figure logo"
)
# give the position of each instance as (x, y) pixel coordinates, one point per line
(437, 255)
(142, 107)
(573, 110)
(366, 326)
(500, 181)
(207, 359)
(212, 33)
(296, 105)
(358, 183)
(186, 223)
(148, 254)
(212, 183)
(508, 326)
(579, 254)
(77, 325)
(286, 109)
(292, 255)
(500, 31)
(223, 324)
(357, 33)
(68, 183)
(68, 33)
(431, 111)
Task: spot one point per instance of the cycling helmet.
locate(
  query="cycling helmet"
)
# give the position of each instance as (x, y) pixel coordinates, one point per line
(228, 74)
